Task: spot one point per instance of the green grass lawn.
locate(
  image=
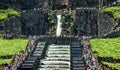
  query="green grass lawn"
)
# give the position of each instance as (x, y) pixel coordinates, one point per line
(109, 47)
(10, 47)
(114, 11)
(5, 12)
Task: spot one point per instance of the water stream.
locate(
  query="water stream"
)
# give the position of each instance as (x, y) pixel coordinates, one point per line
(59, 27)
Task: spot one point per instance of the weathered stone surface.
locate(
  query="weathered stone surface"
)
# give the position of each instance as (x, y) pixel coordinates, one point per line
(115, 32)
(34, 22)
(73, 4)
(108, 2)
(86, 22)
(106, 24)
(14, 25)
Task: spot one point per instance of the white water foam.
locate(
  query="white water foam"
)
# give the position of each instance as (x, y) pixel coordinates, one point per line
(59, 26)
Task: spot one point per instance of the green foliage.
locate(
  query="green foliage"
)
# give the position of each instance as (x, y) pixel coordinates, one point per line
(10, 47)
(109, 47)
(114, 11)
(63, 17)
(5, 12)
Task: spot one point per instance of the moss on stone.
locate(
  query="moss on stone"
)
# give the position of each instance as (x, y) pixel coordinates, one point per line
(4, 13)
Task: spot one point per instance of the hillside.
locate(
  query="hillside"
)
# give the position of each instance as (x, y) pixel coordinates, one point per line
(10, 47)
(107, 50)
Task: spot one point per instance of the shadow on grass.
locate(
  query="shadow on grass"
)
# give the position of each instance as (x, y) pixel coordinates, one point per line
(108, 59)
(6, 57)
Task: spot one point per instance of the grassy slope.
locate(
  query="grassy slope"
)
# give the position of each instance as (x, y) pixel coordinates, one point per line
(10, 47)
(115, 11)
(107, 48)
(5, 12)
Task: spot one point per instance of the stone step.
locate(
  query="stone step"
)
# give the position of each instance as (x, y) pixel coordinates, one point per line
(60, 55)
(31, 58)
(80, 68)
(75, 43)
(57, 58)
(75, 46)
(77, 58)
(39, 48)
(41, 43)
(59, 49)
(55, 62)
(76, 49)
(55, 50)
(78, 65)
(53, 69)
(54, 66)
(59, 46)
(80, 62)
(76, 55)
(29, 62)
(57, 53)
(37, 52)
(76, 52)
(27, 65)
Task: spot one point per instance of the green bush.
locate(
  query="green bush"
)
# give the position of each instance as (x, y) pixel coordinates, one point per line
(5, 12)
(114, 11)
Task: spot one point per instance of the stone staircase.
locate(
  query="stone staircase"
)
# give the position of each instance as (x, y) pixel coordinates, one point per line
(57, 57)
(77, 62)
(54, 57)
(31, 62)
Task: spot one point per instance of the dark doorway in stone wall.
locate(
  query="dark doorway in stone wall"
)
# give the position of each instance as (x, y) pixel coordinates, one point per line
(58, 7)
(59, 4)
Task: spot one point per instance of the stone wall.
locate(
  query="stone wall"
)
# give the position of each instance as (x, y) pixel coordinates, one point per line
(86, 22)
(108, 2)
(73, 4)
(106, 24)
(15, 4)
(23, 4)
(34, 22)
(13, 24)
(115, 32)
(1, 27)
(58, 4)
(59, 40)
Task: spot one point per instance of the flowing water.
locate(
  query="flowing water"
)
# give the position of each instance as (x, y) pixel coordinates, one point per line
(59, 26)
